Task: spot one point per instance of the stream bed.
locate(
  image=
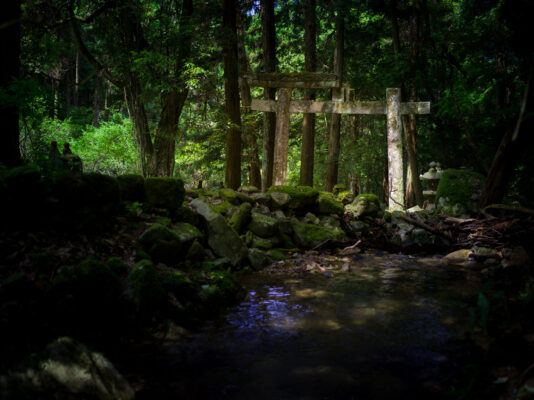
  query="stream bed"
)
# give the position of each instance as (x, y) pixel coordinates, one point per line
(371, 326)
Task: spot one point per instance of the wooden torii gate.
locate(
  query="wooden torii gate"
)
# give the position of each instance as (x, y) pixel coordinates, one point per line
(283, 106)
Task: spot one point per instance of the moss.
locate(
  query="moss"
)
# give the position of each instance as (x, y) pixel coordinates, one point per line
(301, 196)
(118, 266)
(364, 205)
(187, 232)
(326, 204)
(196, 252)
(146, 292)
(166, 193)
(461, 187)
(338, 188)
(248, 189)
(131, 187)
(277, 254)
(141, 255)
(228, 195)
(309, 235)
(241, 217)
(345, 197)
(222, 208)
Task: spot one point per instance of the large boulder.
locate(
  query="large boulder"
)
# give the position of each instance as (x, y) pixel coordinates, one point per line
(263, 225)
(364, 205)
(302, 197)
(66, 370)
(228, 195)
(280, 200)
(166, 193)
(222, 239)
(258, 259)
(187, 232)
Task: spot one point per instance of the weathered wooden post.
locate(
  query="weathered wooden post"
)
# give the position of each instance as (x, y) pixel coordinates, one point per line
(395, 162)
(281, 143)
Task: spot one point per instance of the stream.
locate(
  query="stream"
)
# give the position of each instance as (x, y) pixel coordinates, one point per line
(372, 326)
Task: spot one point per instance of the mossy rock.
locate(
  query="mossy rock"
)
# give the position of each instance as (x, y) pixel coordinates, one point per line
(241, 217)
(243, 197)
(310, 235)
(118, 266)
(249, 189)
(87, 298)
(277, 254)
(131, 187)
(185, 214)
(145, 291)
(187, 233)
(264, 243)
(178, 284)
(24, 191)
(364, 205)
(222, 208)
(345, 197)
(338, 188)
(302, 197)
(166, 193)
(221, 289)
(261, 198)
(103, 195)
(263, 225)
(228, 195)
(280, 200)
(327, 204)
(258, 259)
(196, 252)
(460, 187)
(163, 244)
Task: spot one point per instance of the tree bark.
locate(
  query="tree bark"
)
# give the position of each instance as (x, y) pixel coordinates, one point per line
(334, 142)
(282, 137)
(269, 123)
(97, 100)
(10, 66)
(254, 169)
(173, 102)
(231, 92)
(395, 164)
(308, 122)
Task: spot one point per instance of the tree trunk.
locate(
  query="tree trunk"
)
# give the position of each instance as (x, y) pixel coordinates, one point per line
(231, 92)
(510, 148)
(334, 142)
(308, 122)
(282, 137)
(254, 169)
(77, 80)
(269, 124)
(355, 131)
(10, 66)
(173, 102)
(395, 163)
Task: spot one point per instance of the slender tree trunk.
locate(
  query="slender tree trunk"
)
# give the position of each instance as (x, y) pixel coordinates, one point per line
(252, 156)
(9, 70)
(77, 79)
(231, 92)
(308, 122)
(269, 124)
(97, 101)
(334, 142)
(355, 133)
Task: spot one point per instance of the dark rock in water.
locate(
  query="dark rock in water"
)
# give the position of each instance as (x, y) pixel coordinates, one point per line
(66, 370)
(132, 187)
(222, 239)
(166, 193)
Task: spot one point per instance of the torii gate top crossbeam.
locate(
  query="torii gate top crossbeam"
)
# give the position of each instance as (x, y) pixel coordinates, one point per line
(305, 80)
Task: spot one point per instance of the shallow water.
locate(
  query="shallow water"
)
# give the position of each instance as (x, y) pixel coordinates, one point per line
(389, 328)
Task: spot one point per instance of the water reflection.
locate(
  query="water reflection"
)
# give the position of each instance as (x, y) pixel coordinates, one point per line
(383, 330)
